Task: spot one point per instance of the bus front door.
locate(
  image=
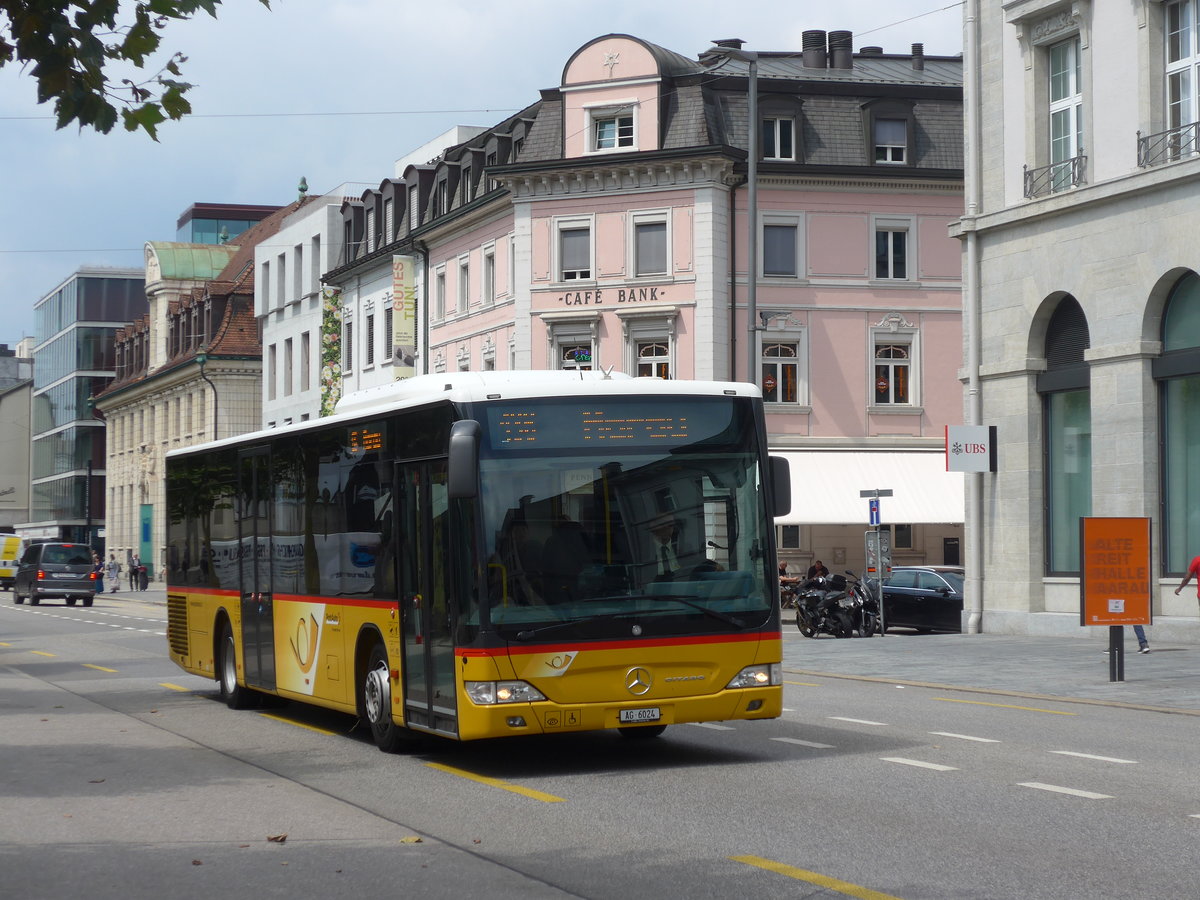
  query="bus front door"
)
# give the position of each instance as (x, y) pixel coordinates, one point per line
(254, 568)
(423, 563)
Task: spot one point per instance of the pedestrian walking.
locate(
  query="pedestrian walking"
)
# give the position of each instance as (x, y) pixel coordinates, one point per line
(134, 562)
(143, 577)
(1193, 571)
(112, 571)
(98, 571)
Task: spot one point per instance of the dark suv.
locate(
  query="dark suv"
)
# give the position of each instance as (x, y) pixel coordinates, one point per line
(55, 570)
(927, 598)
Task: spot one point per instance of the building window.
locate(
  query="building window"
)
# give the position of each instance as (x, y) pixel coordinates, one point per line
(348, 348)
(369, 341)
(612, 131)
(388, 334)
(1066, 112)
(781, 372)
(414, 212)
(650, 248)
(439, 293)
(371, 242)
(465, 178)
(902, 537)
(298, 285)
(653, 359)
(464, 285)
(780, 249)
(389, 225)
(1178, 375)
(489, 161)
(891, 252)
(893, 373)
(488, 288)
(305, 361)
(891, 141)
(574, 252)
(287, 367)
(272, 374)
(778, 140)
(1066, 396)
(789, 537)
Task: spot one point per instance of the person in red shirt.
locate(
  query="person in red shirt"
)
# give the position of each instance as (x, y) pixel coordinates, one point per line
(1193, 570)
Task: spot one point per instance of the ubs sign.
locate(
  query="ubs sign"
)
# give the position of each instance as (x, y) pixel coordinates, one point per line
(970, 448)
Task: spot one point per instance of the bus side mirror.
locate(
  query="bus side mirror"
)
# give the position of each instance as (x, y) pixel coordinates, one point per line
(463, 476)
(781, 485)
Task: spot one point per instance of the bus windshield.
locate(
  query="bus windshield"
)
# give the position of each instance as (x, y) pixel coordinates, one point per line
(634, 515)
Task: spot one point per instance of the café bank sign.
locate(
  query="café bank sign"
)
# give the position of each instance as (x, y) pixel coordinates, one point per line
(613, 295)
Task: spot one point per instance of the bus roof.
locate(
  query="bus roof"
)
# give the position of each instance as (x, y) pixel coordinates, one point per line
(471, 387)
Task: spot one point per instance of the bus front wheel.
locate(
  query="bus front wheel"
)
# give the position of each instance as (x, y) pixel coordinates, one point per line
(234, 695)
(377, 704)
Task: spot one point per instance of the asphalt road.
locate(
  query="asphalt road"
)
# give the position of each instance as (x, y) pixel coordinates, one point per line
(125, 778)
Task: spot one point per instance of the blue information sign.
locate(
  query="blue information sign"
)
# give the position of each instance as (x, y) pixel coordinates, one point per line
(874, 511)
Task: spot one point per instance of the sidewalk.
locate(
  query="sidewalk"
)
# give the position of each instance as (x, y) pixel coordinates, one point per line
(1167, 678)
(1062, 667)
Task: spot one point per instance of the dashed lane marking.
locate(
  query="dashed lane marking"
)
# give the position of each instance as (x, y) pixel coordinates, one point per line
(857, 721)
(287, 721)
(965, 737)
(712, 725)
(1055, 712)
(918, 763)
(813, 744)
(97, 668)
(497, 783)
(834, 884)
(173, 687)
(1058, 789)
(1111, 759)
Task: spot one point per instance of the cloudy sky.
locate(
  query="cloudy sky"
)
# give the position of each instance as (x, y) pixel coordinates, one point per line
(336, 91)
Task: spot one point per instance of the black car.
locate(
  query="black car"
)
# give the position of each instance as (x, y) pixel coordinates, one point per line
(55, 570)
(927, 598)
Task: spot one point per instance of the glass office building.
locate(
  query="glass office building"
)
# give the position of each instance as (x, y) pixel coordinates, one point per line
(73, 360)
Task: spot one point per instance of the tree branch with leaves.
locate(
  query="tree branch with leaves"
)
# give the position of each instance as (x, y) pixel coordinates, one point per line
(73, 48)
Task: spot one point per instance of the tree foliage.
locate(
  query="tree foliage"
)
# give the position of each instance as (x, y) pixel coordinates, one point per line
(72, 47)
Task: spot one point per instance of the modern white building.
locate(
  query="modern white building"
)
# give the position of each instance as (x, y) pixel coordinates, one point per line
(1082, 298)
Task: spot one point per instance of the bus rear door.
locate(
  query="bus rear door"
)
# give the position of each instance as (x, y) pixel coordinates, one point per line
(254, 567)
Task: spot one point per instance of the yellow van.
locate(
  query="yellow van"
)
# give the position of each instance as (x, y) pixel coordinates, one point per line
(11, 548)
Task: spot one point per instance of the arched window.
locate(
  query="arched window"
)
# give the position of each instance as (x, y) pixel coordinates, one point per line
(1065, 387)
(1178, 374)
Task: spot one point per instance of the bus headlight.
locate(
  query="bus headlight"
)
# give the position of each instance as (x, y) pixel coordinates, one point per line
(758, 676)
(489, 693)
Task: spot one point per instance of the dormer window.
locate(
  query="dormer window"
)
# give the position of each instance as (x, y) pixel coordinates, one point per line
(889, 127)
(891, 141)
(612, 129)
(778, 138)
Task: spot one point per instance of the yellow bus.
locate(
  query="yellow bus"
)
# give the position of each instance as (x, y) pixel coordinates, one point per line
(480, 555)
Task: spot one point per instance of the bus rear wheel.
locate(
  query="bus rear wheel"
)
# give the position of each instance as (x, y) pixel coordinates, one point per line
(235, 695)
(377, 704)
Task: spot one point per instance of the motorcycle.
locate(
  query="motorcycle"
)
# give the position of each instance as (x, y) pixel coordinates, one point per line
(823, 607)
(865, 612)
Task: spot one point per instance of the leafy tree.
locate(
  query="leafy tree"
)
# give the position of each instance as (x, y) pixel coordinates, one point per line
(73, 46)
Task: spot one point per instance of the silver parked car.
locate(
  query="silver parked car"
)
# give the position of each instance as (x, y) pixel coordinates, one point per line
(55, 570)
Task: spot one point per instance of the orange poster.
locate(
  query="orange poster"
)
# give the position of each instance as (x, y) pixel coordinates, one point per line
(1115, 565)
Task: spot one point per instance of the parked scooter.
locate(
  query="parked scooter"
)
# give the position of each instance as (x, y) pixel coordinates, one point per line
(823, 607)
(865, 596)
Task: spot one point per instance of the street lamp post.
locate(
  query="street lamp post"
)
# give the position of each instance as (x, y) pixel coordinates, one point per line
(732, 50)
(202, 360)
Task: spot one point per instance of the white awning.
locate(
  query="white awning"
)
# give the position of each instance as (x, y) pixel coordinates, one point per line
(825, 486)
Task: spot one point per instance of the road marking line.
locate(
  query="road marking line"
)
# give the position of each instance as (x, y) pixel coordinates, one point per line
(918, 763)
(174, 687)
(1056, 712)
(287, 721)
(801, 743)
(5, 644)
(41, 653)
(97, 668)
(1111, 759)
(803, 683)
(1064, 790)
(857, 721)
(1194, 815)
(965, 737)
(833, 884)
(497, 783)
(713, 725)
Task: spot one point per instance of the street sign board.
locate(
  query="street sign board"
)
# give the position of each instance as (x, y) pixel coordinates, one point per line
(873, 511)
(1115, 564)
(879, 565)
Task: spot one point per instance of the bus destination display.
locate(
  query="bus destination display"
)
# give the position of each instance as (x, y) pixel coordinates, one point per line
(560, 428)
(364, 440)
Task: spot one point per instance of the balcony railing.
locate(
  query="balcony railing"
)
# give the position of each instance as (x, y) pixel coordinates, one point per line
(1168, 146)
(1055, 177)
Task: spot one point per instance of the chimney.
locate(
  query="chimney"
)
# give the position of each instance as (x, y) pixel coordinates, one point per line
(918, 55)
(870, 51)
(812, 53)
(733, 43)
(841, 49)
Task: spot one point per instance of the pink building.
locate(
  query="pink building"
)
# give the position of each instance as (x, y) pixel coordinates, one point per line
(607, 225)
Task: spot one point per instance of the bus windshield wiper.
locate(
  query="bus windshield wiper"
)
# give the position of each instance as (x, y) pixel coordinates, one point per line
(700, 607)
(533, 632)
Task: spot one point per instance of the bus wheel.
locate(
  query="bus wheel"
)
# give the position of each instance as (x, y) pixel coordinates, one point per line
(642, 732)
(70, 601)
(377, 703)
(234, 695)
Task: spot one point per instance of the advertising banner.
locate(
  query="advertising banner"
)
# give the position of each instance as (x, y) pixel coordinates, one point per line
(404, 316)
